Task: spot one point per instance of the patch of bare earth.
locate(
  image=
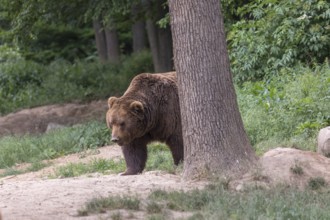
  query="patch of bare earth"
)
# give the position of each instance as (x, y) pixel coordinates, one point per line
(36, 120)
(35, 196)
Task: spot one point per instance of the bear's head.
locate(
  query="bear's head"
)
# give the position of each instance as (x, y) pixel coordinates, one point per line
(125, 119)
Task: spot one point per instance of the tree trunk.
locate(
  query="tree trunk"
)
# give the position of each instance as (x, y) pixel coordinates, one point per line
(215, 142)
(153, 43)
(160, 39)
(112, 45)
(165, 51)
(100, 40)
(138, 29)
(139, 36)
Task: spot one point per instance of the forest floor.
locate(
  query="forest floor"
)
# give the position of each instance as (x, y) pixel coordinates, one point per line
(35, 196)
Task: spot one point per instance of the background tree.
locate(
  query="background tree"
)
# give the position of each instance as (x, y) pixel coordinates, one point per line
(138, 28)
(160, 38)
(215, 142)
(114, 22)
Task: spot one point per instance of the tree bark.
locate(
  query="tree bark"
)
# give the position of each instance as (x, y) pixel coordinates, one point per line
(138, 29)
(112, 45)
(165, 51)
(153, 43)
(100, 40)
(215, 142)
(139, 36)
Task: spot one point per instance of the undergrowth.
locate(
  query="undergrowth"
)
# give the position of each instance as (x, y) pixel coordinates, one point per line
(26, 84)
(287, 110)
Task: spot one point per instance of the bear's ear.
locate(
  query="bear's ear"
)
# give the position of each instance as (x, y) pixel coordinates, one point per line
(136, 106)
(111, 101)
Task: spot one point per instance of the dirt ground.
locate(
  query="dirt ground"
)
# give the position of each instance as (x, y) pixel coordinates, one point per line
(35, 196)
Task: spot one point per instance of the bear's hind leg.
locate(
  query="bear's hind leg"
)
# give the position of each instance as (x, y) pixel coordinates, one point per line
(135, 157)
(176, 145)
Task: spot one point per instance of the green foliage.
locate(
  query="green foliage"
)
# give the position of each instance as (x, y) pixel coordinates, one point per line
(9, 54)
(60, 142)
(59, 42)
(26, 83)
(288, 109)
(61, 24)
(279, 34)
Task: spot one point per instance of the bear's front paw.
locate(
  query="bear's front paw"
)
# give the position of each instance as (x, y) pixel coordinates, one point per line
(129, 172)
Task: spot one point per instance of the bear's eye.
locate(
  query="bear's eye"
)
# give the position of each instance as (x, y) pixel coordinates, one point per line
(122, 124)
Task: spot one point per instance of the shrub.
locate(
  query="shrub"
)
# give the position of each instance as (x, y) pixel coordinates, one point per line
(279, 34)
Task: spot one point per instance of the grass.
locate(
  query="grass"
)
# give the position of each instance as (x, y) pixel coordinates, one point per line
(216, 202)
(102, 204)
(104, 166)
(159, 158)
(31, 168)
(34, 149)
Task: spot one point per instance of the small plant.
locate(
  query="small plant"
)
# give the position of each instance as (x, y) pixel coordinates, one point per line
(116, 216)
(197, 216)
(316, 183)
(153, 208)
(100, 205)
(157, 217)
(296, 169)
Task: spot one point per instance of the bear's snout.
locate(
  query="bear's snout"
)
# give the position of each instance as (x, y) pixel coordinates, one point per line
(114, 139)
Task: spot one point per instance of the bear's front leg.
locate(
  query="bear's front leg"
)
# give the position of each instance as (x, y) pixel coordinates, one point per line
(135, 156)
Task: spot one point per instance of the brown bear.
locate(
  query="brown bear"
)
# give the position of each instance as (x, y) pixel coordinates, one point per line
(148, 111)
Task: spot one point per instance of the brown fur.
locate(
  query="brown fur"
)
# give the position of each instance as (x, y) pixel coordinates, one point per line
(148, 111)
